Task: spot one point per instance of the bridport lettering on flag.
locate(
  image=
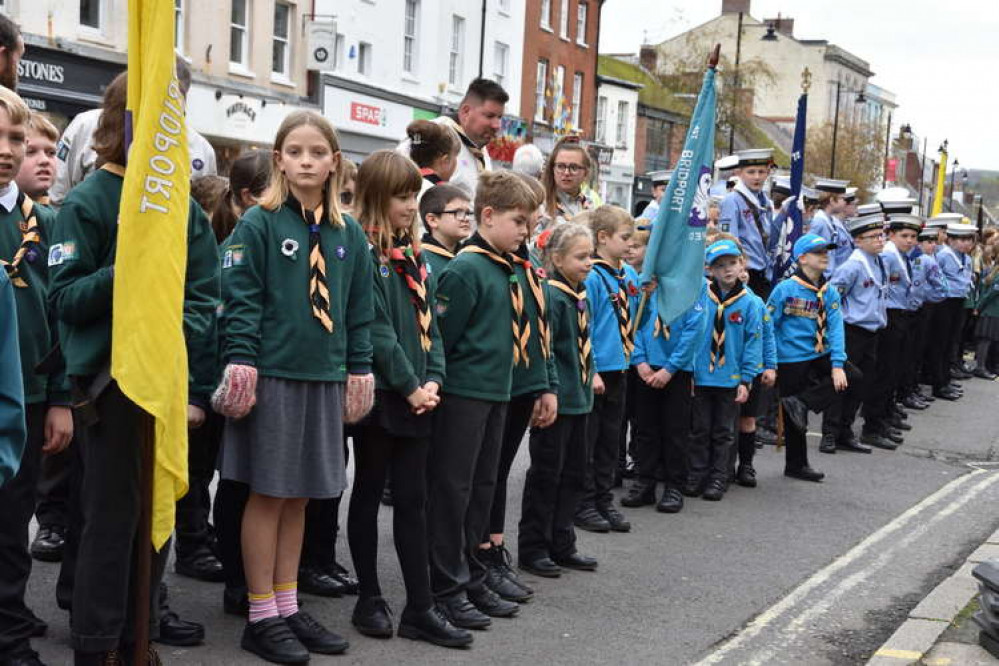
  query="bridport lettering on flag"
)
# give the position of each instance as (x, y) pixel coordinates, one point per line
(682, 176)
(166, 138)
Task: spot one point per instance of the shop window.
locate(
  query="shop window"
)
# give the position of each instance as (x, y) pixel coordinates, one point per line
(239, 34)
(281, 50)
(409, 36)
(455, 58)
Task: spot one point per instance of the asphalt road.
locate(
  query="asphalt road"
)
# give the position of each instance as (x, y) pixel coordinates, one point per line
(787, 573)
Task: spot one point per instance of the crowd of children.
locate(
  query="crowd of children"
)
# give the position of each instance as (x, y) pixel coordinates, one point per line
(432, 329)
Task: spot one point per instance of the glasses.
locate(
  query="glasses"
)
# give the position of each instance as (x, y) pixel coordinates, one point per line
(460, 214)
(571, 168)
(875, 236)
(346, 198)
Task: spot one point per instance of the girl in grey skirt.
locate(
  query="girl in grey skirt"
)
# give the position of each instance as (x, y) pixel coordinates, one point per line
(297, 292)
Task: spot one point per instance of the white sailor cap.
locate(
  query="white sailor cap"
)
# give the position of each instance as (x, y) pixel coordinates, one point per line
(899, 221)
(781, 184)
(832, 186)
(865, 223)
(896, 206)
(943, 219)
(660, 177)
(756, 157)
(850, 194)
(961, 230)
(809, 195)
(869, 209)
(929, 233)
(727, 163)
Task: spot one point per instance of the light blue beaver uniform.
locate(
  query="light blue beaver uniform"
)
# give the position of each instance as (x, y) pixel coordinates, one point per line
(794, 311)
(743, 345)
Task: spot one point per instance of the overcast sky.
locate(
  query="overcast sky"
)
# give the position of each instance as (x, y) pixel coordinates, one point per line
(941, 59)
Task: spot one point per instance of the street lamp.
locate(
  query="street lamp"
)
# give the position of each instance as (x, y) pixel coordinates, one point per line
(860, 100)
(770, 36)
(953, 173)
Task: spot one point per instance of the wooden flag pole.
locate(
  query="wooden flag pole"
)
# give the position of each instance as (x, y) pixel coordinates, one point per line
(144, 539)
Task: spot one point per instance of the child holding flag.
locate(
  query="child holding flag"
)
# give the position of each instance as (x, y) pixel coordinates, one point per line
(295, 270)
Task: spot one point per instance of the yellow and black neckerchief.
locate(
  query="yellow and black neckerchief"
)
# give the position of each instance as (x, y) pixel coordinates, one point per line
(718, 334)
(619, 300)
(319, 291)
(820, 314)
(520, 325)
(523, 258)
(659, 330)
(406, 260)
(433, 246)
(582, 324)
(31, 237)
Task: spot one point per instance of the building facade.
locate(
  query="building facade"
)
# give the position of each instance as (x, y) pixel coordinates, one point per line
(615, 124)
(558, 83)
(397, 60)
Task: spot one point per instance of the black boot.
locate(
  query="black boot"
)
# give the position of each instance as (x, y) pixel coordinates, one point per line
(745, 474)
(430, 625)
(828, 444)
(492, 560)
(491, 603)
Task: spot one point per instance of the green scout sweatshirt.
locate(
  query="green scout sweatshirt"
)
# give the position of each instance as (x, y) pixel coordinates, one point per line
(36, 332)
(435, 255)
(475, 316)
(81, 258)
(268, 315)
(400, 363)
(574, 397)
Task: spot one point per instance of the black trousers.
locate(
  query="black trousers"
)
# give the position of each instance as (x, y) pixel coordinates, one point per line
(52, 506)
(71, 549)
(938, 343)
(193, 531)
(664, 430)
(891, 354)
(915, 346)
(811, 382)
(952, 346)
(861, 352)
(17, 505)
(518, 417)
(712, 435)
(376, 451)
(464, 457)
(227, 512)
(604, 441)
(551, 490)
(110, 500)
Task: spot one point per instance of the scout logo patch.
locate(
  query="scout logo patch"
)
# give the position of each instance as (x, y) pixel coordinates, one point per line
(63, 151)
(198, 164)
(385, 271)
(895, 277)
(341, 252)
(289, 248)
(60, 253)
(233, 257)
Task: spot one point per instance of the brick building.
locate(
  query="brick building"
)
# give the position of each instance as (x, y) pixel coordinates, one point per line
(560, 54)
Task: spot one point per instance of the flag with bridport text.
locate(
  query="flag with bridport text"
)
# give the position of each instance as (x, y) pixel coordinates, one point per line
(148, 353)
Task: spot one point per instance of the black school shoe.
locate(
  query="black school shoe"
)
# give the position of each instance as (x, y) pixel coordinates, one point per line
(828, 444)
(372, 617)
(577, 562)
(461, 612)
(177, 632)
(616, 520)
(273, 640)
(805, 474)
(200, 565)
(339, 573)
(715, 490)
(670, 502)
(318, 581)
(431, 626)
(590, 520)
(314, 636)
(745, 476)
(641, 493)
(506, 566)
(496, 578)
(543, 566)
(49, 543)
(491, 603)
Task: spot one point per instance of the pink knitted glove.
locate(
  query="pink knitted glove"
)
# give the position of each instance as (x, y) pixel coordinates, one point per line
(237, 394)
(359, 397)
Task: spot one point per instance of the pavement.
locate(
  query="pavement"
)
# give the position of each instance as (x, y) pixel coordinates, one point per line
(786, 573)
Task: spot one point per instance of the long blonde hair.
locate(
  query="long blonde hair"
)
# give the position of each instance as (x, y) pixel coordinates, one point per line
(278, 189)
(383, 175)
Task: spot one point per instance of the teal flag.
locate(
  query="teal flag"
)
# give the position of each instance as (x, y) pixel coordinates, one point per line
(675, 254)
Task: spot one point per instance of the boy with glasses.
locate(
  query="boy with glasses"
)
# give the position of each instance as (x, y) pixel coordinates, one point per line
(447, 216)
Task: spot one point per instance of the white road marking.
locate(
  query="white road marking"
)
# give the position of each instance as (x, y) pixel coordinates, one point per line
(824, 575)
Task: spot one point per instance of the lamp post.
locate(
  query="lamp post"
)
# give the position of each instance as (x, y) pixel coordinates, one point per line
(953, 172)
(884, 174)
(860, 100)
(770, 36)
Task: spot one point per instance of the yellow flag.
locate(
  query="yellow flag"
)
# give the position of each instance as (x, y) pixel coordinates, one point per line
(148, 355)
(938, 193)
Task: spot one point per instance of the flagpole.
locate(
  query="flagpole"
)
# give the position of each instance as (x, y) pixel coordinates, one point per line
(144, 552)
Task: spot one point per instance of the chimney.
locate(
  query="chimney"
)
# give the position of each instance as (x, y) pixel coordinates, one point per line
(735, 6)
(782, 25)
(648, 58)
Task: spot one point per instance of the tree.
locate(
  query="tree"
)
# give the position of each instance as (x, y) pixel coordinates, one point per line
(860, 153)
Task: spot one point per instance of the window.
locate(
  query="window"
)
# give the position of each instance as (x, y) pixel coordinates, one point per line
(504, 6)
(339, 47)
(364, 58)
(601, 119)
(622, 124)
(454, 68)
(178, 25)
(539, 90)
(91, 14)
(409, 36)
(563, 20)
(239, 33)
(581, 23)
(577, 98)
(546, 14)
(281, 53)
(558, 94)
(501, 54)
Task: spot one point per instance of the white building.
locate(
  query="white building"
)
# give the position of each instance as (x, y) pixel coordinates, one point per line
(616, 118)
(396, 60)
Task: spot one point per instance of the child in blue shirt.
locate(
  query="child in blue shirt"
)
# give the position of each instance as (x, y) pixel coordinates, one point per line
(958, 273)
(729, 356)
(808, 327)
(664, 360)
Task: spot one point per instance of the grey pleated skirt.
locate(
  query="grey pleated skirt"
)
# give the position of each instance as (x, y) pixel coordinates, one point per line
(291, 444)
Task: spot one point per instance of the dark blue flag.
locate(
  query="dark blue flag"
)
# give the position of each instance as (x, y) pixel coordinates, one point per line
(789, 219)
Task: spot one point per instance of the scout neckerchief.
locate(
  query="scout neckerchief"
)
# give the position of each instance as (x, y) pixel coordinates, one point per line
(407, 263)
(522, 257)
(432, 245)
(582, 324)
(659, 330)
(431, 176)
(820, 314)
(755, 209)
(619, 301)
(319, 292)
(30, 237)
(718, 334)
(521, 326)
